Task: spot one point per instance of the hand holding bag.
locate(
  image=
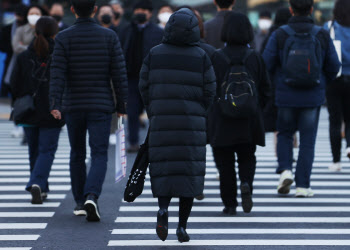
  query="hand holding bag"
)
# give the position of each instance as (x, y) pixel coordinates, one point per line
(136, 182)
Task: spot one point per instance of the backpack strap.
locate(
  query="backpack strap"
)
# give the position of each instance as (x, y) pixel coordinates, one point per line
(227, 59)
(288, 30)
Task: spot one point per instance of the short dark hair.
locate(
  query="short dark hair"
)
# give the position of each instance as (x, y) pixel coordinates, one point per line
(237, 29)
(224, 4)
(83, 8)
(341, 12)
(301, 7)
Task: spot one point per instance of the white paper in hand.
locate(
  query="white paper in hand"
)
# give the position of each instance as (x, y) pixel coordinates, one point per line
(120, 153)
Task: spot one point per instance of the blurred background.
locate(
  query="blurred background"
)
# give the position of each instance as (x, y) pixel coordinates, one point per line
(250, 7)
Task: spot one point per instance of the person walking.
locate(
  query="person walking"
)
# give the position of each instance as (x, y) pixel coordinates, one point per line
(338, 93)
(57, 12)
(264, 25)
(88, 84)
(213, 27)
(234, 139)
(137, 40)
(177, 85)
(31, 76)
(303, 64)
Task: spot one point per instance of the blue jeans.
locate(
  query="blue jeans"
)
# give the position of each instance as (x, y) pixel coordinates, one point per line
(98, 125)
(304, 120)
(42, 145)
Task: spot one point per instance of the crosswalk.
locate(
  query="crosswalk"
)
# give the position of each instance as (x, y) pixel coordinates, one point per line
(275, 221)
(22, 223)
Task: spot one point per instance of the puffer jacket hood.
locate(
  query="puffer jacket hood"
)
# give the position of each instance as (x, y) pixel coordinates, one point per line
(182, 29)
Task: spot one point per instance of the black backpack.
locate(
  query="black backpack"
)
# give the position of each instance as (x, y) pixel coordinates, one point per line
(302, 58)
(238, 97)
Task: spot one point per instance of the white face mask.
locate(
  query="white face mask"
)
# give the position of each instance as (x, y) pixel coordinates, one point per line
(164, 17)
(264, 24)
(33, 19)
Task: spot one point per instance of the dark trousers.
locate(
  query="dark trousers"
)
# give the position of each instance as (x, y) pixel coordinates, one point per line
(98, 125)
(42, 146)
(225, 159)
(338, 98)
(135, 109)
(289, 121)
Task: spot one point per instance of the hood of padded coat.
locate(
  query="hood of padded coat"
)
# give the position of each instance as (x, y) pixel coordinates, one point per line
(182, 29)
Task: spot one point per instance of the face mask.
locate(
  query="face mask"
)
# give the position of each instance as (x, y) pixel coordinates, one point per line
(264, 24)
(106, 19)
(164, 17)
(57, 18)
(32, 19)
(140, 18)
(117, 15)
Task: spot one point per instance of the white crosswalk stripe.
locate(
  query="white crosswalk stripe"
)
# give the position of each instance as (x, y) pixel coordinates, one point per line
(22, 223)
(274, 221)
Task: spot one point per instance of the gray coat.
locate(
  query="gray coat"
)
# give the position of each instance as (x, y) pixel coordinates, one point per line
(213, 29)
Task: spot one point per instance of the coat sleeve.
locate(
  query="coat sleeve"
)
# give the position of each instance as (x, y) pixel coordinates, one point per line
(16, 79)
(144, 82)
(58, 75)
(17, 46)
(264, 89)
(271, 53)
(119, 76)
(331, 62)
(209, 82)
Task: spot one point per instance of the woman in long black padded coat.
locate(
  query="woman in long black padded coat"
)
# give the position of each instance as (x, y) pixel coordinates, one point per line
(177, 86)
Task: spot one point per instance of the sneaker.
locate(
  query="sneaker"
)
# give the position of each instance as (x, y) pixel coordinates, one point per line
(286, 180)
(91, 208)
(304, 192)
(112, 139)
(79, 210)
(17, 132)
(43, 196)
(335, 167)
(36, 194)
(348, 152)
(246, 194)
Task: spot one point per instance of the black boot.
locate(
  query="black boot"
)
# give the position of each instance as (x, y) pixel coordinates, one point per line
(162, 224)
(246, 194)
(182, 235)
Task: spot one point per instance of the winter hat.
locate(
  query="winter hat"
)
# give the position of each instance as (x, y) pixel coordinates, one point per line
(144, 4)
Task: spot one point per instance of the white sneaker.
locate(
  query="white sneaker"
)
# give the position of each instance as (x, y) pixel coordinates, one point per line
(112, 139)
(348, 152)
(304, 192)
(17, 132)
(335, 167)
(286, 180)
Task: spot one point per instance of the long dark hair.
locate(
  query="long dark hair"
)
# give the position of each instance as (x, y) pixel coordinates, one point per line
(45, 28)
(341, 12)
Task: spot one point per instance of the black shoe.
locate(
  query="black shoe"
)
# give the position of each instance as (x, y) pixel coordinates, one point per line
(246, 194)
(91, 208)
(162, 224)
(79, 210)
(182, 235)
(36, 194)
(43, 196)
(230, 210)
(200, 197)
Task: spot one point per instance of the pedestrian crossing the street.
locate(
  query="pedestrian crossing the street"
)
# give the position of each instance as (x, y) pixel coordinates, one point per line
(22, 223)
(275, 221)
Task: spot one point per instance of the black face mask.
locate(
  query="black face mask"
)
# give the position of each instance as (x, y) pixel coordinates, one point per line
(117, 15)
(140, 18)
(57, 18)
(106, 19)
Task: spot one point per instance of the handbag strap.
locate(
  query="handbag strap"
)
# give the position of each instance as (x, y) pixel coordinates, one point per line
(47, 64)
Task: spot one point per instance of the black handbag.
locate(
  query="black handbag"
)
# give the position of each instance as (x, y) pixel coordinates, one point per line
(136, 181)
(23, 107)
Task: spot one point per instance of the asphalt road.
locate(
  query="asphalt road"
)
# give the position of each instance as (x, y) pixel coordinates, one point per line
(321, 222)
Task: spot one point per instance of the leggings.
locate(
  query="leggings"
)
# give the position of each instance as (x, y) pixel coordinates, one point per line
(185, 208)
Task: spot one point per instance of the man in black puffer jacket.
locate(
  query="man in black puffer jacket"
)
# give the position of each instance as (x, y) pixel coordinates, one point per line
(88, 84)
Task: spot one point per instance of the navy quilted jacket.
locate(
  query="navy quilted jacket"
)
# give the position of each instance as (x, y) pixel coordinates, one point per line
(87, 65)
